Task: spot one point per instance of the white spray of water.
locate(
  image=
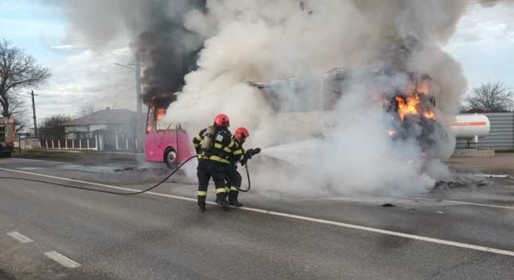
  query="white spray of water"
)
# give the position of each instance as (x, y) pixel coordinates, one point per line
(300, 154)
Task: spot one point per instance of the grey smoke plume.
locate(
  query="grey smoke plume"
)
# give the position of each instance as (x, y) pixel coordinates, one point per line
(265, 40)
(493, 3)
(153, 28)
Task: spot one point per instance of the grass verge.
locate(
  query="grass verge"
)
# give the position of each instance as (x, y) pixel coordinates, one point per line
(85, 157)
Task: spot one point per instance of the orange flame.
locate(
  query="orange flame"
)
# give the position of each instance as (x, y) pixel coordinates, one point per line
(161, 112)
(410, 106)
(430, 115)
(407, 106)
(391, 132)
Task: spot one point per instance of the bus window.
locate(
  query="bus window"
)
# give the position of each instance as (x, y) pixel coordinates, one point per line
(150, 121)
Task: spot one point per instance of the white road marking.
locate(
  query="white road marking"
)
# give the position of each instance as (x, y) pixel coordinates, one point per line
(62, 260)
(32, 168)
(97, 184)
(480, 204)
(388, 232)
(456, 202)
(303, 218)
(20, 237)
(491, 175)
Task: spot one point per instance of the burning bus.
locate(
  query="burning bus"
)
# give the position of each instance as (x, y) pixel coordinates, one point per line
(313, 100)
(165, 141)
(305, 108)
(409, 103)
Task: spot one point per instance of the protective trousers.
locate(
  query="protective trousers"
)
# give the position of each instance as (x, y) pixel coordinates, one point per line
(206, 170)
(234, 180)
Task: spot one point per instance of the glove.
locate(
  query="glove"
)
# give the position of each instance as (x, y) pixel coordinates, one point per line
(248, 155)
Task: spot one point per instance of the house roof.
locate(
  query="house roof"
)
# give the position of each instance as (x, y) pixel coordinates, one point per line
(103, 117)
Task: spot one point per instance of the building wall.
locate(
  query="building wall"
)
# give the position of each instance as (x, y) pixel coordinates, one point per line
(501, 136)
(76, 132)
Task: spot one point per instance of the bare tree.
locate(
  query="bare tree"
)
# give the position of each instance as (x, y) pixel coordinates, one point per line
(87, 110)
(490, 97)
(53, 127)
(18, 71)
(18, 108)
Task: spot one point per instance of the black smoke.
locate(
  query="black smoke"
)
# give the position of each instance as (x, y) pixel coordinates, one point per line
(168, 51)
(155, 31)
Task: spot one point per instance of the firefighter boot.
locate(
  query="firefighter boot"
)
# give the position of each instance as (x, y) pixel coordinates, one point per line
(221, 200)
(232, 199)
(201, 207)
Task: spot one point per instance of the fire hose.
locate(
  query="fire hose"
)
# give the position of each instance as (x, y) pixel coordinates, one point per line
(247, 177)
(126, 193)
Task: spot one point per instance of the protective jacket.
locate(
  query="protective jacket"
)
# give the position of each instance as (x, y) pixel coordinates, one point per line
(221, 149)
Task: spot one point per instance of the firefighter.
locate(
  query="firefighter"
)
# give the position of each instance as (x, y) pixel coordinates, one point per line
(213, 146)
(232, 176)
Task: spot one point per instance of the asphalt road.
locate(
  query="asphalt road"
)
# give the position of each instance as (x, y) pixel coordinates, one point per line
(52, 232)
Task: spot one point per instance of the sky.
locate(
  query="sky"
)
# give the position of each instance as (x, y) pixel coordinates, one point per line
(483, 44)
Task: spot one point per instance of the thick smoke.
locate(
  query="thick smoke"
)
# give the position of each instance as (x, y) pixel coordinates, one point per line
(258, 41)
(167, 48)
(493, 3)
(240, 42)
(154, 29)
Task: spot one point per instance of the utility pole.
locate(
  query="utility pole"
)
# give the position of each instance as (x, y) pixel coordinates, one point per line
(139, 128)
(139, 97)
(139, 101)
(34, 112)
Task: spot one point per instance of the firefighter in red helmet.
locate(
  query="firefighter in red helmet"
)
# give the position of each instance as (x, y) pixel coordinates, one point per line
(213, 145)
(232, 176)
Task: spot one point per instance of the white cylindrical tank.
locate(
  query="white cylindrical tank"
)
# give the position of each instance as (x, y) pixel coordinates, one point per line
(469, 126)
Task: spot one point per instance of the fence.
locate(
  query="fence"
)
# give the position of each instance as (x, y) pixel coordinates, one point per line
(501, 136)
(94, 144)
(69, 144)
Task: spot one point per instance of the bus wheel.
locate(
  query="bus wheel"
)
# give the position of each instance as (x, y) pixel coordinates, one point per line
(170, 157)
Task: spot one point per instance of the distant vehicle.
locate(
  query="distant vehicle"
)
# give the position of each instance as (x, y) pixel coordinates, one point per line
(7, 136)
(165, 142)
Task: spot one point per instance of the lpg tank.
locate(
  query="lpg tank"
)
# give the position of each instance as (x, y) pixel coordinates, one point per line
(469, 126)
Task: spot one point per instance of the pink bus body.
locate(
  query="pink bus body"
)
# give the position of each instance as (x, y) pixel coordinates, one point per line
(171, 145)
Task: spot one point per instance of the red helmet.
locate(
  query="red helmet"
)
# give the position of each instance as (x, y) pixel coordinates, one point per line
(241, 133)
(222, 120)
